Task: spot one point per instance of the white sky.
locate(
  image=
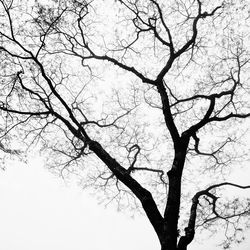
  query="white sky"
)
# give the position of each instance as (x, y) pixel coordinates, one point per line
(39, 211)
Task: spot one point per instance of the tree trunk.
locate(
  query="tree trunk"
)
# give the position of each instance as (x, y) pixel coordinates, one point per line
(171, 214)
(167, 247)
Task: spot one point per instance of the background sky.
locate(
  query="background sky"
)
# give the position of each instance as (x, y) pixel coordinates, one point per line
(39, 211)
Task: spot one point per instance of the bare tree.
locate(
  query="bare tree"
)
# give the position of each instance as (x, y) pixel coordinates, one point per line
(144, 102)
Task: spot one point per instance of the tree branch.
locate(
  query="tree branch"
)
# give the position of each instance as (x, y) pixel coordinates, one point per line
(190, 229)
(141, 193)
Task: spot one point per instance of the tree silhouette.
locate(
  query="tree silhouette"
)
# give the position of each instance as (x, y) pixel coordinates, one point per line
(145, 100)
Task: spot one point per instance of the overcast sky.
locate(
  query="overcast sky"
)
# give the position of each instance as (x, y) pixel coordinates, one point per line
(40, 212)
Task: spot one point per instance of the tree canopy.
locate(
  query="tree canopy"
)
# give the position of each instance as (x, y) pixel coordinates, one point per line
(146, 101)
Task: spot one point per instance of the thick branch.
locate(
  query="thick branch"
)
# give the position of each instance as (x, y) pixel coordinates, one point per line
(19, 112)
(167, 113)
(190, 229)
(224, 118)
(191, 41)
(188, 44)
(119, 64)
(141, 193)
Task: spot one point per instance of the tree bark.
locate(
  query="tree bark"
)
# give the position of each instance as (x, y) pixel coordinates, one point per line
(171, 214)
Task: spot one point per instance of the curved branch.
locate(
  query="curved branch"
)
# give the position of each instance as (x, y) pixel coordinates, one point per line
(190, 229)
(212, 154)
